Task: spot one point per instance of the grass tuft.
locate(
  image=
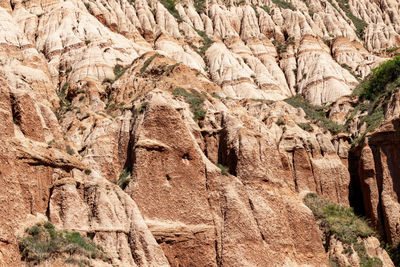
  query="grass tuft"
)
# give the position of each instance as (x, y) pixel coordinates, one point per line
(306, 127)
(43, 241)
(147, 63)
(224, 169)
(124, 178)
(170, 5)
(344, 225)
(316, 114)
(194, 99)
(337, 220)
(284, 5)
(207, 42)
(375, 92)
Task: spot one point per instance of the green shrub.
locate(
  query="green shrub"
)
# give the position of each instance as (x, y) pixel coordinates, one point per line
(170, 5)
(283, 4)
(224, 170)
(207, 42)
(44, 241)
(315, 113)
(280, 122)
(124, 178)
(282, 47)
(199, 5)
(394, 253)
(108, 80)
(266, 9)
(65, 104)
(392, 49)
(375, 92)
(147, 63)
(333, 263)
(70, 150)
(88, 172)
(337, 220)
(365, 259)
(195, 100)
(119, 71)
(383, 79)
(143, 107)
(171, 68)
(344, 225)
(306, 127)
(358, 23)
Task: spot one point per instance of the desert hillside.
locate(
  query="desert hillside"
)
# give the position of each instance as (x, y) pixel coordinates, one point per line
(205, 133)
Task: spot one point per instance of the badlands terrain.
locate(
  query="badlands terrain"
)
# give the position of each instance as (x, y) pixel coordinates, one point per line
(205, 133)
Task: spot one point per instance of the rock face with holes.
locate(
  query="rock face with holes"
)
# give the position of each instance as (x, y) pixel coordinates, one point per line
(158, 128)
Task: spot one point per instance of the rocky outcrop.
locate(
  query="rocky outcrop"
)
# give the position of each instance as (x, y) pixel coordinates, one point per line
(222, 221)
(338, 254)
(377, 168)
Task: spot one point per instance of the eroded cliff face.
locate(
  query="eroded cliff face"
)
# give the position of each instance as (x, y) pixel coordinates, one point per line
(377, 173)
(182, 107)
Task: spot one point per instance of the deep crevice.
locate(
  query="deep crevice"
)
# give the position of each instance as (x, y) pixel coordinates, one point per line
(227, 156)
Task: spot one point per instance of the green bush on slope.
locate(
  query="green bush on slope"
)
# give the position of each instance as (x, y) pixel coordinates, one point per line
(316, 114)
(43, 242)
(382, 80)
(194, 99)
(344, 225)
(375, 91)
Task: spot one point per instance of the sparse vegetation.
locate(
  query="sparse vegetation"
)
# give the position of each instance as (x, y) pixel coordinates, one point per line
(194, 99)
(88, 171)
(200, 5)
(282, 47)
(306, 127)
(224, 170)
(69, 150)
(87, 42)
(147, 63)
(383, 79)
(65, 104)
(142, 108)
(392, 49)
(119, 71)
(43, 242)
(266, 9)
(207, 42)
(394, 253)
(280, 122)
(171, 68)
(283, 4)
(108, 80)
(358, 23)
(316, 114)
(337, 220)
(375, 91)
(170, 5)
(344, 225)
(348, 68)
(124, 178)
